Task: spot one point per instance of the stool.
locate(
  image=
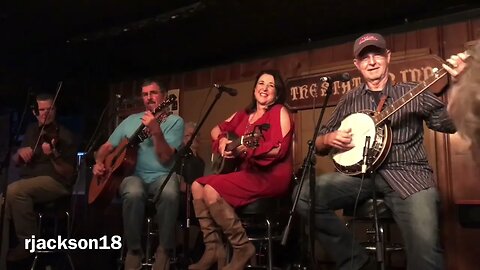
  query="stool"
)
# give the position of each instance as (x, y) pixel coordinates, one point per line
(365, 213)
(56, 210)
(260, 218)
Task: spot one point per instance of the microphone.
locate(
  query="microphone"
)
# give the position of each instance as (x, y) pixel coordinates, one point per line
(231, 91)
(34, 104)
(365, 154)
(344, 77)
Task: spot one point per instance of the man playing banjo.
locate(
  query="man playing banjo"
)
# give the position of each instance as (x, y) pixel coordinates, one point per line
(404, 178)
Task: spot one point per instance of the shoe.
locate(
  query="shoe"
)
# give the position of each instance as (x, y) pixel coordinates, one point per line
(18, 253)
(133, 261)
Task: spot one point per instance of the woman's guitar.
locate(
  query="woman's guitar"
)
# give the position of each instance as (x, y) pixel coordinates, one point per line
(221, 165)
(374, 125)
(122, 160)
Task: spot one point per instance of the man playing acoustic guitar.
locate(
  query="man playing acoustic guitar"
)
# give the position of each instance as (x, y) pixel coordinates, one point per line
(405, 179)
(154, 161)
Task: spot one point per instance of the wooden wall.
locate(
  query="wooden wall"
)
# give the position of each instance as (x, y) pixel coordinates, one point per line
(456, 174)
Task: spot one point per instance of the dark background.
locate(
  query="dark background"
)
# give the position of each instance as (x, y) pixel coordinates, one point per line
(87, 44)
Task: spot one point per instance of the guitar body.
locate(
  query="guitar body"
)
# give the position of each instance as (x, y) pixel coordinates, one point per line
(118, 164)
(221, 165)
(122, 160)
(362, 124)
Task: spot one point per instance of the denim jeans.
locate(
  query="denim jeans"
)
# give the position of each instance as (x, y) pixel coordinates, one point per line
(135, 192)
(416, 216)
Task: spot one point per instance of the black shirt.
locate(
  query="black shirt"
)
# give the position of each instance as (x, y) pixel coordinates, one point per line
(41, 164)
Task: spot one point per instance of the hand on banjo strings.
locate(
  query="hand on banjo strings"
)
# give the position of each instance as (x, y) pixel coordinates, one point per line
(456, 64)
(340, 139)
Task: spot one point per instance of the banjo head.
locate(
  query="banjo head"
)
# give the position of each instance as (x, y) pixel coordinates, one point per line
(362, 125)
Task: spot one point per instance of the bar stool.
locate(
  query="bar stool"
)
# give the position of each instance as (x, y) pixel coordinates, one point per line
(365, 213)
(261, 221)
(55, 211)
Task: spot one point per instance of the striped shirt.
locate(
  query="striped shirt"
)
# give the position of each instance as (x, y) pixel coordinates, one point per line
(406, 167)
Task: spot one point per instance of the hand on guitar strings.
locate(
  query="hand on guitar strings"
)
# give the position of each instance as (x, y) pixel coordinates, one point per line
(456, 64)
(99, 169)
(222, 145)
(340, 139)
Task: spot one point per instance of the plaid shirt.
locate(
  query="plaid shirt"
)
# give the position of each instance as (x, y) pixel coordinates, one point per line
(406, 167)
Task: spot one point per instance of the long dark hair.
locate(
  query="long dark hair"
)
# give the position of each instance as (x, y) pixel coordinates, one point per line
(279, 90)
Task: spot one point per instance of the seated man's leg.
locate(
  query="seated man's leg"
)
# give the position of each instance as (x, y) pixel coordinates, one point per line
(167, 210)
(335, 191)
(417, 217)
(132, 191)
(21, 197)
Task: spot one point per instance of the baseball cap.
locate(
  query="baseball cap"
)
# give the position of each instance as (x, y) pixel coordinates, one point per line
(369, 39)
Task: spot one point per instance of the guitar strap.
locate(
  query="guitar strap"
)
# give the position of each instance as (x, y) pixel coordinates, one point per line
(381, 103)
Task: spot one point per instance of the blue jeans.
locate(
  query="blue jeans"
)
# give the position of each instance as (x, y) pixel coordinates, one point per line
(416, 216)
(134, 192)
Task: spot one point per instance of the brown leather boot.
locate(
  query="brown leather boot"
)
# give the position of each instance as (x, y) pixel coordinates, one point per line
(243, 249)
(214, 250)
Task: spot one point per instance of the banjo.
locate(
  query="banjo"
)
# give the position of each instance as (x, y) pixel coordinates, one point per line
(374, 125)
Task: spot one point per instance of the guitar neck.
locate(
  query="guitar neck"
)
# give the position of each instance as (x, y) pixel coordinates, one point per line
(136, 136)
(234, 144)
(379, 118)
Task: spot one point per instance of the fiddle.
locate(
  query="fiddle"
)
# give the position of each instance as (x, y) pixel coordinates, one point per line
(50, 134)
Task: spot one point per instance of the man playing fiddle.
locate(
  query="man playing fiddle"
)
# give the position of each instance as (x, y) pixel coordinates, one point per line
(46, 159)
(155, 158)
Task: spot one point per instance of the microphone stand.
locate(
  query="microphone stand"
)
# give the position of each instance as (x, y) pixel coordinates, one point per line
(309, 167)
(185, 151)
(379, 247)
(5, 165)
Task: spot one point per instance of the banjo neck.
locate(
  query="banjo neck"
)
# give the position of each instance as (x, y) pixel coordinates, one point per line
(379, 118)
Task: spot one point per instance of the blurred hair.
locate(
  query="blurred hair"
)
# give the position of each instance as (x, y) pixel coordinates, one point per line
(192, 125)
(150, 81)
(279, 89)
(44, 97)
(464, 103)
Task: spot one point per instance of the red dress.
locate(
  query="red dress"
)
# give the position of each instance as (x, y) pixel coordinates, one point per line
(259, 176)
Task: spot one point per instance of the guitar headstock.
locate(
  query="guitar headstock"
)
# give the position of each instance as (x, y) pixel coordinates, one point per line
(171, 99)
(161, 112)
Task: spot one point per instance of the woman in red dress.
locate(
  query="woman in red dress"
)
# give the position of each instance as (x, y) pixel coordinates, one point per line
(264, 171)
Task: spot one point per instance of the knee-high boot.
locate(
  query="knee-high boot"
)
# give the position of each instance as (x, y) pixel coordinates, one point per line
(214, 249)
(243, 249)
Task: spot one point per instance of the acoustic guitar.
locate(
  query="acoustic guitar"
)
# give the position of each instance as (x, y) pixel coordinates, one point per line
(222, 165)
(122, 160)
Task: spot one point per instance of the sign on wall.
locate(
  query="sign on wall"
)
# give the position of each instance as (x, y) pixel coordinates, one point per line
(175, 107)
(306, 92)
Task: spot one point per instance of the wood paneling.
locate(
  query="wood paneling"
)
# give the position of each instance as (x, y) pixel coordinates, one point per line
(456, 174)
